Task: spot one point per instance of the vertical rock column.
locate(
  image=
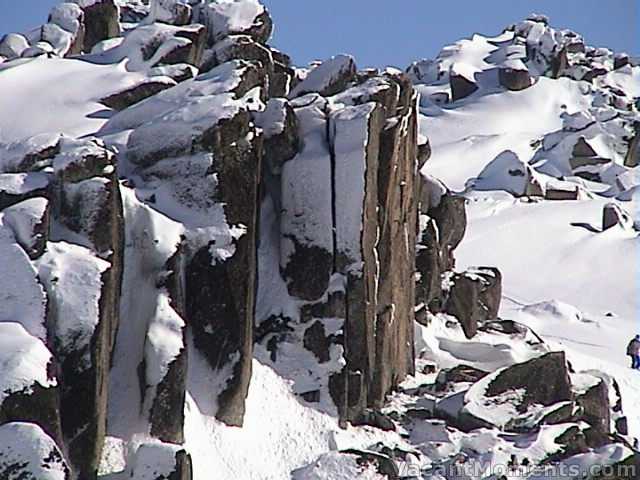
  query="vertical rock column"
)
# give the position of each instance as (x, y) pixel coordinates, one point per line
(397, 217)
(86, 202)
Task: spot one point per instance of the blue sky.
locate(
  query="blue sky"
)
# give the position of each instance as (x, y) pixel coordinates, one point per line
(395, 32)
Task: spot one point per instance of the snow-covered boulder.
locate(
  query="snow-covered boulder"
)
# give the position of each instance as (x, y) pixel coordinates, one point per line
(125, 98)
(613, 214)
(521, 397)
(27, 452)
(29, 390)
(507, 172)
(29, 221)
(12, 45)
(327, 78)
(235, 17)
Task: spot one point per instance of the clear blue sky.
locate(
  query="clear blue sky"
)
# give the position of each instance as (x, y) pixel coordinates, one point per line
(396, 32)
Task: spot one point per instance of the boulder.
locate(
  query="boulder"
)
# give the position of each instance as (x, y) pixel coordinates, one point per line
(28, 388)
(461, 86)
(29, 221)
(474, 297)
(101, 21)
(328, 78)
(236, 17)
(127, 97)
(594, 407)
(12, 45)
(613, 214)
(514, 79)
(27, 452)
(520, 397)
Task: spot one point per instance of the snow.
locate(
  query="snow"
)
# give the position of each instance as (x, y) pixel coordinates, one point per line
(24, 361)
(22, 183)
(23, 218)
(43, 100)
(27, 445)
(22, 298)
(154, 460)
(67, 16)
(164, 340)
(72, 277)
(349, 137)
(337, 466)
(306, 185)
(219, 80)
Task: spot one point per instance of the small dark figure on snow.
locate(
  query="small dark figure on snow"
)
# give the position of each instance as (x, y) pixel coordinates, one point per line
(633, 350)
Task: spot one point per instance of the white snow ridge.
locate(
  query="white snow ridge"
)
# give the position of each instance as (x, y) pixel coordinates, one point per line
(217, 265)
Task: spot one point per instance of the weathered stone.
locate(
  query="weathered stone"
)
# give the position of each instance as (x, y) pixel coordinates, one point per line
(136, 93)
(316, 341)
(101, 21)
(281, 137)
(632, 158)
(397, 220)
(328, 78)
(461, 87)
(376, 419)
(459, 374)
(474, 297)
(613, 214)
(190, 53)
(545, 380)
(514, 79)
(221, 293)
(561, 194)
(525, 387)
(594, 407)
